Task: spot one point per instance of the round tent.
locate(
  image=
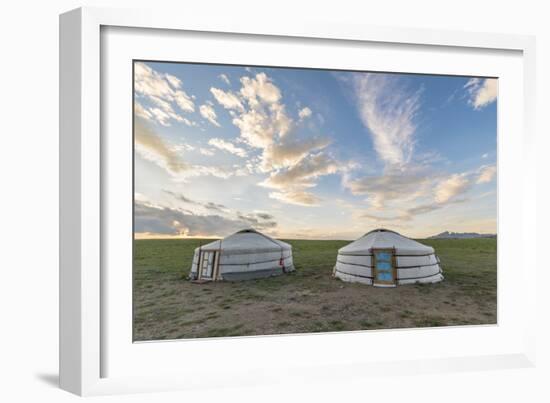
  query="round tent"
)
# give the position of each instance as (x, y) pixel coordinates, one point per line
(246, 254)
(384, 258)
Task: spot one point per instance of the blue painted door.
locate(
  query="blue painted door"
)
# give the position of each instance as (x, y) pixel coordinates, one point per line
(383, 265)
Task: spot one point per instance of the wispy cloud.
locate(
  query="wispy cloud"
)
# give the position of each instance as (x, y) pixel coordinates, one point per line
(141, 112)
(228, 99)
(293, 183)
(224, 78)
(482, 91)
(206, 151)
(451, 187)
(227, 146)
(409, 184)
(486, 173)
(207, 205)
(388, 110)
(304, 173)
(408, 214)
(152, 147)
(208, 112)
(296, 197)
(390, 187)
(288, 153)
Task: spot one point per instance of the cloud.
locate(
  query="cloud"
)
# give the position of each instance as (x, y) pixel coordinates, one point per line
(409, 185)
(402, 198)
(392, 186)
(151, 147)
(160, 116)
(188, 122)
(427, 208)
(266, 118)
(386, 218)
(160, 220)
(257, 129)
(164, 113)
(184, 101)
(206, 151)
(482, 92)
(292, 182)
(297, 197)
(388, 110)
(258, 111)
(485, 156)
(209, 114)
(181, 197)
(206, 205)
(227, 99)
(215, 219)
(258, 220)
(227, 146)
(224, 78)
(163, 90)
(410, 213)
(142, 112)
(290, 151)
(486, 174)
(223, 172)
(259, 89)
(304, 173)
(183, 147)
(153, 84)
(449, 188)
(423, 209)
(304, 113)
(214, 206)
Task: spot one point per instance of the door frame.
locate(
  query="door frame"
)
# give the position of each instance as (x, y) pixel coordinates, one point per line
(375, 281)
(214, 271)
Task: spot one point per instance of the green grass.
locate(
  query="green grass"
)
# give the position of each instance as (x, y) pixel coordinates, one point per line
(167, 306)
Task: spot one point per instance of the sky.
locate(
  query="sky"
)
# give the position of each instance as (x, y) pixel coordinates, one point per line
(311, 154)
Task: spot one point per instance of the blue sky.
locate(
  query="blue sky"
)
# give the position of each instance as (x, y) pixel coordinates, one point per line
(301, 153)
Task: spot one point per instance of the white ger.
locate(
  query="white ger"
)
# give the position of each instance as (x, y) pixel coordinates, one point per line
(245, 255)
(384, 258)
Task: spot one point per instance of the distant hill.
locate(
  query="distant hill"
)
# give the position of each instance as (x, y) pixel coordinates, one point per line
(461, 235)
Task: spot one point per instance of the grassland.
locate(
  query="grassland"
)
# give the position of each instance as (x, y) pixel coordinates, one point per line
(167, 306)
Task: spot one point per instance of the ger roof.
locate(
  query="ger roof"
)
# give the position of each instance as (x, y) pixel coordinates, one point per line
(382, 238)
(247, 240)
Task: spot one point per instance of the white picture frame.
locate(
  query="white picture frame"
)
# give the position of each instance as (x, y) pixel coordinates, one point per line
(90, 342)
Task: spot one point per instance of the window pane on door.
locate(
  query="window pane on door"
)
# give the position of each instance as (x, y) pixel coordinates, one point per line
(384, 276)
(386, 256)
(383, 265)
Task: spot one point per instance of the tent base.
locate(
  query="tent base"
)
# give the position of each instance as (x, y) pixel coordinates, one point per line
(354, 278)
(251, 275)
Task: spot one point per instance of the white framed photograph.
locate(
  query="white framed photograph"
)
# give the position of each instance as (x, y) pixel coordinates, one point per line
(237, 198)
